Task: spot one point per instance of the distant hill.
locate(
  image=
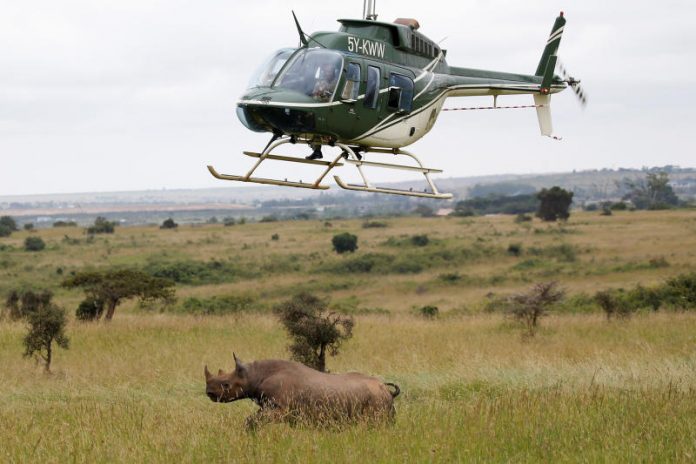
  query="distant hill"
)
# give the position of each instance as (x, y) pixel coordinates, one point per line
(197, 205)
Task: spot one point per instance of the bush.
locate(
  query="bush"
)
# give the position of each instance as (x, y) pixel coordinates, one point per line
(345, 243)
(374, 225)
(34, 243)
(90, 309)
(315, 332)
(429, 311)
(229, 221)
(169, 224)
(269, 219)
(101, 226)
(614, 303)
(680, 291)
(529, 307)
(420, 240)
(217, 305)
(275, 237)
(65, 224)
(194, 272)
(5, 231)
(28, 226)
(8, 223)
(514, 249)
(522, 218)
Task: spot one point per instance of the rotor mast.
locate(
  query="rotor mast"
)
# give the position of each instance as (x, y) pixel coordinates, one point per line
(369, 7)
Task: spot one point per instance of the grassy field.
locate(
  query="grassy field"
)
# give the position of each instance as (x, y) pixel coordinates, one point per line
(474, 389)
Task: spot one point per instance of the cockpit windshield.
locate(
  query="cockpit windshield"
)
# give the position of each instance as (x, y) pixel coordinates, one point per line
(267, 72)
(313, 72)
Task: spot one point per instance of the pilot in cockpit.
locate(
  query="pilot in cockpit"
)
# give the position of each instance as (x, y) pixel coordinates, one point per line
(326, 82)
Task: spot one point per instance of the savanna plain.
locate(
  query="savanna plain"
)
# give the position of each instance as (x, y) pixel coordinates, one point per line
(475, 386)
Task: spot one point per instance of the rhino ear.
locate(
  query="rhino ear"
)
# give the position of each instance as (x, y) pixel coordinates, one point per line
(239, 366)
(207, 373)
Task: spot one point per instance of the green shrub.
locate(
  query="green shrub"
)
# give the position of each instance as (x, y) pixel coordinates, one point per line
(8, 223)
(229, 221)
(429, 311)
(101, 226)
(450, 278)
(680, 291)
(217, 305)
(28, 226)
(275, 237)
(21, 303)
(169, 224)
(345, 243)
(420, 240)
(522, 218)
(195, 272)
(90, 309)
(34, 243)
(374, 225)
(514, 249)
(5, 231)
(65, 224)
(615, 303)
(269, 219)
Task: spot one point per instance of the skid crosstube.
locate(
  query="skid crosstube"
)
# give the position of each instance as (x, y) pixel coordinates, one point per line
(352, 158)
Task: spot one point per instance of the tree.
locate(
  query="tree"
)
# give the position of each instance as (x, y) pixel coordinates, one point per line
(9, 222)
(34, 243)
(554, 204)
(21, 303)
(424, 211)
(529, 307)
(111, 287)
(314, 331)
(46, 325)
(7, 226)
(653, 192)
(345, 243)
(169, 224)
(101, 226)
(29, 226)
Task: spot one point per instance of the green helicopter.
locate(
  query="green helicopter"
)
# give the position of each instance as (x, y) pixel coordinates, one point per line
(373, 88)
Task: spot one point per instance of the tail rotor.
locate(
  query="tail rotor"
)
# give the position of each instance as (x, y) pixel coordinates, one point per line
(574, 84)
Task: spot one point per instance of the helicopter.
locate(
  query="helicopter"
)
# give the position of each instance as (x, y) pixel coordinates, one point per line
(371, 89)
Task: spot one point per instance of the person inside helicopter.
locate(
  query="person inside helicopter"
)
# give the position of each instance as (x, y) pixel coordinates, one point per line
(326, 83)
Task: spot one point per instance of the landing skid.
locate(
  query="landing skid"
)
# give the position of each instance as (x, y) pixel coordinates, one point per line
(350, 158)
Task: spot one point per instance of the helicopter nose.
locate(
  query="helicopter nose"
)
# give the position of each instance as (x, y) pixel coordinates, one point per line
(260, 117)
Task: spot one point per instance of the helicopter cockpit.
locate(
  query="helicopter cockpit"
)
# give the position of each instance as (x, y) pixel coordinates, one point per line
(267, 72)
(313, 72)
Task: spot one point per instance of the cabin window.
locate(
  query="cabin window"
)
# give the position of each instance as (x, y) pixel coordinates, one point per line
(405, 103)
(352, 88)
(372, 91)
(312, 72)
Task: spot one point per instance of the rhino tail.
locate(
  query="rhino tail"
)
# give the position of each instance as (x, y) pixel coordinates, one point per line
(396, 391)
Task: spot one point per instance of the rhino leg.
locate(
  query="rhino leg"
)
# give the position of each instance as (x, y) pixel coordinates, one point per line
(262, 417)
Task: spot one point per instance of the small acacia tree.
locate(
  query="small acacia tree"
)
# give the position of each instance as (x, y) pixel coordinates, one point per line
(554, 204)
(314, 331)
(107, 289)
(344, 243)
(46, 326)
(531, 306)
(101, 226)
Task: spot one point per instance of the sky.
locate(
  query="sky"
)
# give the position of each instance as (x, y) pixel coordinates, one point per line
(114, 95)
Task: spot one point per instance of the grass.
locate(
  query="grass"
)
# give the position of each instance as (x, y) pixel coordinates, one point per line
(474, 390)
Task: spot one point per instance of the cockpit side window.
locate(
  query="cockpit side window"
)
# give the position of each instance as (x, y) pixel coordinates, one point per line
(312, 72)
(267, 72)
(372, 91)
(351, 89)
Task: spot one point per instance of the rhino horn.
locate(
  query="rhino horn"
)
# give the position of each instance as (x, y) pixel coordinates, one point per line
(207, 373)
(239, 366)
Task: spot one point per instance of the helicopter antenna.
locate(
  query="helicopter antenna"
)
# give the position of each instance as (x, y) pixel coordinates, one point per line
(369, 7)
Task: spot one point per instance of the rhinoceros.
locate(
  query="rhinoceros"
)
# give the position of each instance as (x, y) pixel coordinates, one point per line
(286, 390)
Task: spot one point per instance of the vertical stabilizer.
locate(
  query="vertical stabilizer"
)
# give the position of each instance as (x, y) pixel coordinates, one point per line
(543, 104)
(552, 44)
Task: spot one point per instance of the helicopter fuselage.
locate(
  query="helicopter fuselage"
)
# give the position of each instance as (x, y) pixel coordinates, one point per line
(371, 84)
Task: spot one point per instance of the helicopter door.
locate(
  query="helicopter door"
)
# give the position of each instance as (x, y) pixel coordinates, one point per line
(350, 94)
